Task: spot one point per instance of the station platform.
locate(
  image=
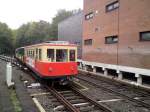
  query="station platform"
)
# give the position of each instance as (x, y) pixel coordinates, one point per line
(6, 103)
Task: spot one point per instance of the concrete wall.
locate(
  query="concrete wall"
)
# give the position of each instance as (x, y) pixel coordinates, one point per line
(71, 30)
(127, 21)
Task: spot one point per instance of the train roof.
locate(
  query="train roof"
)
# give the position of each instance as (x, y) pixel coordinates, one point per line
(58, 42)
(53, 43)
(19, 48)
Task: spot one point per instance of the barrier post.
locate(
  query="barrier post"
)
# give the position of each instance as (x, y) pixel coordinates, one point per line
(9, 75)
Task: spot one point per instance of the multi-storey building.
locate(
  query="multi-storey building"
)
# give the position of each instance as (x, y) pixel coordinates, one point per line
(117, 32)
(71, 30)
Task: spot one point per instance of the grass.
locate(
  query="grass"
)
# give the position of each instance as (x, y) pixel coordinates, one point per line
(15, 100)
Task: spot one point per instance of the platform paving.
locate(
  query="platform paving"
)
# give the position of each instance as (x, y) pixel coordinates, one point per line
(25, 100)
(24, 97)
(5, 101)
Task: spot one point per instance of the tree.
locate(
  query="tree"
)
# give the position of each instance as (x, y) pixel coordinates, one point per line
(21, 38)
(6, 45)
(36, 32)
(32, 33)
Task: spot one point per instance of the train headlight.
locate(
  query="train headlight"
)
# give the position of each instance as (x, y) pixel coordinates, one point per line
(72, 69)
(50, 69)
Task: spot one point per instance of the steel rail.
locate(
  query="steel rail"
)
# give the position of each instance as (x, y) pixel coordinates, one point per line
(59, 97)
(122, 95)
(109, 81)
(99, 105)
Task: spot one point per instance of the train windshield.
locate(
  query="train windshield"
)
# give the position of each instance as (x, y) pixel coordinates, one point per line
(61, 55)
(50, 55)
(20, 52)
(72, 55)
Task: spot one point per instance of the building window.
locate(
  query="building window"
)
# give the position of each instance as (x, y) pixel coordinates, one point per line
(145, 36)
(111, 39)
(96, 29)
(88, 42)
(89, 16)
(112, 6)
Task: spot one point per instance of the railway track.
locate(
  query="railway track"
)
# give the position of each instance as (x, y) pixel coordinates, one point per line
(75, 101)
(137, 97)
(11, 60)
(71, 99)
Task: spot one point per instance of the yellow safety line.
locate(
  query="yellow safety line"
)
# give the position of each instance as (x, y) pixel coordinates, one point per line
(39, 94)
(41, 109)
(85, 88)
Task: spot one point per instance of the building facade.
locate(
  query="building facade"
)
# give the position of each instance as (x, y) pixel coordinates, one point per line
(117, 32)
(71, 30)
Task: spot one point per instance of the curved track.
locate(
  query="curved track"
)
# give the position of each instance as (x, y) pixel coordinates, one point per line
(72, 99)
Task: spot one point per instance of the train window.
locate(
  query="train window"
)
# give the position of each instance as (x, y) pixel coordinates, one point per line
(72, 55)
(40, 54)
(29, 53)
(61, 55)
(33, 53)
(50, 55)
(36, 53)
(36, 50)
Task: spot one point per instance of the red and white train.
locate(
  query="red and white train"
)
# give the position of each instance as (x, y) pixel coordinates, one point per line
(56, 60)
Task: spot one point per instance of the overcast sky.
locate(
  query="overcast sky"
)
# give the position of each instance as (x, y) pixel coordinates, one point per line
(17, 12)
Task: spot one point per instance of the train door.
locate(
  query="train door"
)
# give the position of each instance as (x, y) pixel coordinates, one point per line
(36, 57)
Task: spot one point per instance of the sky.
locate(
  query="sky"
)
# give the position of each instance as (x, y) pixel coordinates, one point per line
(17, 12)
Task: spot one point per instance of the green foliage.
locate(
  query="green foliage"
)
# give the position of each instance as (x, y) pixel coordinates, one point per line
(6, 46)
(14, 32)
(33, 32)
(15, 101)
(36, 32)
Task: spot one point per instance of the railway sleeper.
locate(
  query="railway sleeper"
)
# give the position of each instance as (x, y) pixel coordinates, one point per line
(87, 108)
(68, 95)
(72, 97)
(77, 101)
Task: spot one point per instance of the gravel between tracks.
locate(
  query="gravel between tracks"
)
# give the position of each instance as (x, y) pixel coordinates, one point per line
(117, 106)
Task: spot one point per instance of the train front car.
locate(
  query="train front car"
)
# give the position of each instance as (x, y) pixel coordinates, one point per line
(55, 60)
